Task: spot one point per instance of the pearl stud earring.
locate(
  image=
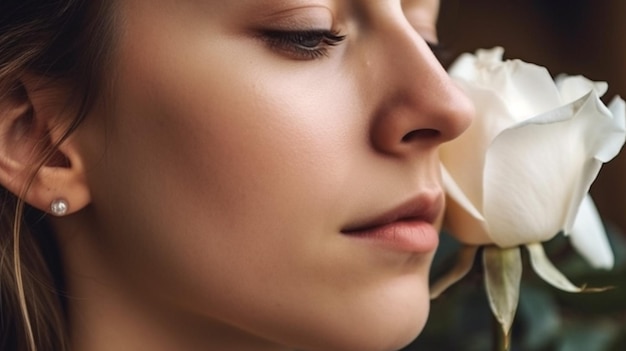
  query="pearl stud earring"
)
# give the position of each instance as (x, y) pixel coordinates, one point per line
(59, 207)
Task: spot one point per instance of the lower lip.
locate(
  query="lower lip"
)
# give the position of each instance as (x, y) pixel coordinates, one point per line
(416, 236)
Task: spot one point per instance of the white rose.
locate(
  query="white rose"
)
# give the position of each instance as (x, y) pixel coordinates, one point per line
(522, 171)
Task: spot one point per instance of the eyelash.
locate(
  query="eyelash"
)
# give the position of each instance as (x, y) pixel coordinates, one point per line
(294, 43)
(303, 45)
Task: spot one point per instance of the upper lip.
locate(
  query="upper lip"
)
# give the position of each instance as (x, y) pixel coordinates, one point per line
(426, 206)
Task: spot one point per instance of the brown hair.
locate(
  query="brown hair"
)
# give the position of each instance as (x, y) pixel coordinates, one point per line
(54, 39)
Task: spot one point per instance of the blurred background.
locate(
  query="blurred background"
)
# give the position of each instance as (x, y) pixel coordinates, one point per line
(586, 37)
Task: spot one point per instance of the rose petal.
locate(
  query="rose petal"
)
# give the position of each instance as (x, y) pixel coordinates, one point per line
(609, 138)
(490, 57)
(525, 185)
(617, 134)
(468, 66)
(587, 176)
(465, 156)
(467, 220)
(503, 273)
(454, 191)
(538, 171)
(574, 87)
(589, 237)
(526, 89)
(529, 89)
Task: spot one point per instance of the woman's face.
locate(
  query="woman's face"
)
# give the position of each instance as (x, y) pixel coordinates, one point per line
(271, 167)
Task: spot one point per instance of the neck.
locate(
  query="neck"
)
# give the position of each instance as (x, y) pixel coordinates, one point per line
(107, 311)
(107, 324)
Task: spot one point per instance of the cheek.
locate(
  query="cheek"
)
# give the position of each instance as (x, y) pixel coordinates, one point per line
(254, 140)
(214, 156)
(249, 148)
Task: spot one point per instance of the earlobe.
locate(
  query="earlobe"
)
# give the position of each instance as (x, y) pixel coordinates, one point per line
(33, 164)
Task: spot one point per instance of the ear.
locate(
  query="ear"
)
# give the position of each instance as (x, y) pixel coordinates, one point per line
(34, 116)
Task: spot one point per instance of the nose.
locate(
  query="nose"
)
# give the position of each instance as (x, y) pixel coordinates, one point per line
(418, 106)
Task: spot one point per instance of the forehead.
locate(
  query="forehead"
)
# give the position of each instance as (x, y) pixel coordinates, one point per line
(238, 15)
(260, 6)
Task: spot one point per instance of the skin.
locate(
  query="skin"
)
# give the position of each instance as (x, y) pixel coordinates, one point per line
(209, 188)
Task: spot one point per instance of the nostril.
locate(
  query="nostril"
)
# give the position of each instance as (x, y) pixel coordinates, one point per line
(421, 134)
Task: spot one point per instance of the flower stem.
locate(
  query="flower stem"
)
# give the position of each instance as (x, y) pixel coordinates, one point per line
(501, 340)
(504, 343)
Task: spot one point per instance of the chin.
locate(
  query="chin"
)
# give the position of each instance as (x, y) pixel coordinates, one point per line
(391, 333)
(390, 337)
(386, 324)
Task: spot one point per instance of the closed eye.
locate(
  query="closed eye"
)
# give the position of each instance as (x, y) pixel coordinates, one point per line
(302, 45)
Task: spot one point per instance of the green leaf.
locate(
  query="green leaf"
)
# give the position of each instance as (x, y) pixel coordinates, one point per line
(503, 272)
(463, 265)
(546, 270)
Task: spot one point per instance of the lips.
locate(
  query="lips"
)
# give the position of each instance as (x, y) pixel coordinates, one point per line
(407, 227)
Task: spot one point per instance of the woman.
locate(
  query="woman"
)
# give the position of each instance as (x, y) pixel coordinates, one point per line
(220, 175)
